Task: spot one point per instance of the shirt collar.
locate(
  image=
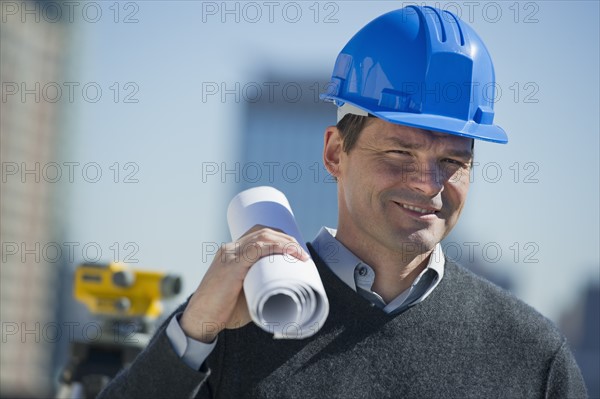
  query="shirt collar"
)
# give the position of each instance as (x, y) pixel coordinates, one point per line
(342, 261)
(335, 255)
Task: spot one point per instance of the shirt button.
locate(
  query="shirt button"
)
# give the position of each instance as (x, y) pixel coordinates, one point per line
(362, 271)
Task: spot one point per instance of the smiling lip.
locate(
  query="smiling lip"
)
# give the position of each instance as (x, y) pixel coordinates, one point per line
(417, 210)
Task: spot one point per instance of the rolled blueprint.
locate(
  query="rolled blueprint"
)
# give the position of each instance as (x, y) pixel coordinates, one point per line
(285, 295)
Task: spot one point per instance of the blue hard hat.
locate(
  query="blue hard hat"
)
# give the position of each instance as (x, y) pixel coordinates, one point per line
(420, 67)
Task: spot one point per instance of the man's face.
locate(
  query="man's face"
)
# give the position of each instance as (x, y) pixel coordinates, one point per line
(400, 189)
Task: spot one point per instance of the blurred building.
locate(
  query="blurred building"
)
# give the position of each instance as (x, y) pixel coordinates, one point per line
(32, 57)
(284, 121)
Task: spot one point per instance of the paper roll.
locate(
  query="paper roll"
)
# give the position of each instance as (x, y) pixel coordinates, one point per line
(285, 295)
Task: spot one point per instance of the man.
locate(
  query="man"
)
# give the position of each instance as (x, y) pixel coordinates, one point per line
(403, 321)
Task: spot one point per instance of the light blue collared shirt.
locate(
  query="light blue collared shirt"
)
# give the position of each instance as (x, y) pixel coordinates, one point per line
(359, 276)
(347, 267)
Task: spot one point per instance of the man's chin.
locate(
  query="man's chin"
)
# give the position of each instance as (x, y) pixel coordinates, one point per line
(419, 243)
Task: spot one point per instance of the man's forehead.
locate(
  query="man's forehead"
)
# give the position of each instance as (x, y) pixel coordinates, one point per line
(380, 131)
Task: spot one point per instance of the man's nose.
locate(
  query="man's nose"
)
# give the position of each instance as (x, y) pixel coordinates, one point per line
(426, 179)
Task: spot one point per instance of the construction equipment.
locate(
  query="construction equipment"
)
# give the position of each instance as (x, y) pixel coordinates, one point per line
(127, 303)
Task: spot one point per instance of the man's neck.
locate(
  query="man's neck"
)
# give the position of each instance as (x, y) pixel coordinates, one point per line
(394, 271)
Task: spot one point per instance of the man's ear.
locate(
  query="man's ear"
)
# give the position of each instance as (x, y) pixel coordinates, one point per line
(332, 150)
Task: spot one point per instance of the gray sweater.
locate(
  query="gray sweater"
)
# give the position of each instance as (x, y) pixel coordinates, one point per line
(468, 339)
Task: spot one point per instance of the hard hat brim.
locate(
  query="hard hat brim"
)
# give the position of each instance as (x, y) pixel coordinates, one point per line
(457, 127)
(438, 123)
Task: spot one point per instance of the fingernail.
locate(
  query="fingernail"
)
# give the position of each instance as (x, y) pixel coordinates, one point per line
(305, 255)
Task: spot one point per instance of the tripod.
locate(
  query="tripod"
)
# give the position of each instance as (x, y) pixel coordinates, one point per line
(92, 365)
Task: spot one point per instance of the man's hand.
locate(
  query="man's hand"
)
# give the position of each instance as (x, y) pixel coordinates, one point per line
(219, 301)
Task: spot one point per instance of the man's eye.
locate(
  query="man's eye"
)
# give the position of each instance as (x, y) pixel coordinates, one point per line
(400, 152)
(455, 162)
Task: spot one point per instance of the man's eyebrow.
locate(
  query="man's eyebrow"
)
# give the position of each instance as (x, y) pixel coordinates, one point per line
(464, 154)
(398, 141)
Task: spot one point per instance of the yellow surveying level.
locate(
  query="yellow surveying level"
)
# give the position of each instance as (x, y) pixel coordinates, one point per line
(117, 291)
(127, 302)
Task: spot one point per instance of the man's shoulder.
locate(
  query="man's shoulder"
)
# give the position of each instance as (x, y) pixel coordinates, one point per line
(499, 310)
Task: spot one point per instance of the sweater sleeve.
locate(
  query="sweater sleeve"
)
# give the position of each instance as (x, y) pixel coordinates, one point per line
(564, 377)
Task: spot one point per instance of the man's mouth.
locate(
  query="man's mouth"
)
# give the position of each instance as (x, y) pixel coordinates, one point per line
(422, 211)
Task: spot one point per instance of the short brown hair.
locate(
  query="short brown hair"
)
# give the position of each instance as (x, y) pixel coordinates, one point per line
(350, 127)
